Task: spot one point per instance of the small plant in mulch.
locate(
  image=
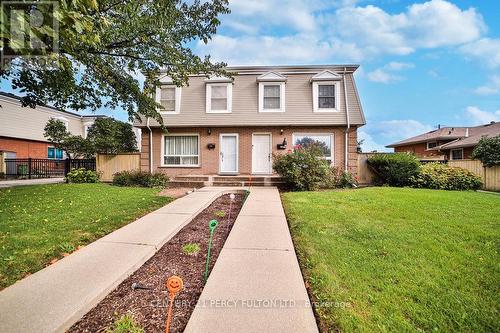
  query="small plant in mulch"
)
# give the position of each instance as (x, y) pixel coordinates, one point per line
(126, 324)
(220, 213)
(191, 248)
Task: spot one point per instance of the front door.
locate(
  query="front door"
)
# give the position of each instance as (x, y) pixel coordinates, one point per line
(228, 155)
(261, 153)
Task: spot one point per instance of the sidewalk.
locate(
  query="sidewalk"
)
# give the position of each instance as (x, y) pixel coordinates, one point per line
(256, 284)
(21, 182)
(54, 298)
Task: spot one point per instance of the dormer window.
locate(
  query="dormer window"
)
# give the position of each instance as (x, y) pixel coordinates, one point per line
(271, 92)
(326, 91)
(168, 96)
(219, 95)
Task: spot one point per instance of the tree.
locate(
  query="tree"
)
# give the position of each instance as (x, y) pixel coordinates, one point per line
(74, 145)
(110, 136)
(104, 46)
(488, 151)
(55, 131)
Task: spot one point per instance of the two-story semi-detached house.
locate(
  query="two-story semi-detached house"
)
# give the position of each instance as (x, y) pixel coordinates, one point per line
(22, 128)
(231, 126)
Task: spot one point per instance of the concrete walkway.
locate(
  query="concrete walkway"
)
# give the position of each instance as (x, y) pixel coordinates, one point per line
(21, 182)
(256, 284)
(54, 298)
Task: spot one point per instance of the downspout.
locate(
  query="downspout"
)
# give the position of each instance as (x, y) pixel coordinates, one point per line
(346, 154)
(150, 146)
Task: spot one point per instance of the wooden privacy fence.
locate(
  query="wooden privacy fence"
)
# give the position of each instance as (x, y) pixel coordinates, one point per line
(490, 176)
(109, 164)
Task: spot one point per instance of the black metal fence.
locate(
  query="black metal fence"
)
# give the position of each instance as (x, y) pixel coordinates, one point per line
(44, 168)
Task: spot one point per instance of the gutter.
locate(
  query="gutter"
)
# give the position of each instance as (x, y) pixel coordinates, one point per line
(346, 153)
(150, 146)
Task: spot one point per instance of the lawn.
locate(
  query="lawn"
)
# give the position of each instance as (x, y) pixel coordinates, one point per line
(401, 260)
(42, 222)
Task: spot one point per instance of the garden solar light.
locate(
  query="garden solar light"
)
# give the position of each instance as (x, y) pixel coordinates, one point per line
(212, 225)
(136, 286)
(174, 285)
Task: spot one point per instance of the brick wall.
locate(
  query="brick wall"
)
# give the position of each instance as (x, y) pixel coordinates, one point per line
(24, 148)
(209, 159)
(420, 150)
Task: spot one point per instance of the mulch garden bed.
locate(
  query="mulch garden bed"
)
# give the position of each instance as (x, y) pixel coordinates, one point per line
(149, 307)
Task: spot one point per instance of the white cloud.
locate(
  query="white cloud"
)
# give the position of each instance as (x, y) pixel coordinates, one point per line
(383, 75)
(486, 51)
(369, 144)
(492, 88)
(478, 116)
(294, 31)
(401, 129)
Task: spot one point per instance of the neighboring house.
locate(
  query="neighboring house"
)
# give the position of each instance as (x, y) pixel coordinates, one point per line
(446, 143)
(232, 126)
(22, 128)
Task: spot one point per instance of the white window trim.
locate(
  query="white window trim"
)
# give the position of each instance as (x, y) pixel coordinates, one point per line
(451, 154)
(162, 152)
(315, 94)
(431, 142)
(261, 96)
(331, 135)
(229, 97)
(178, 93)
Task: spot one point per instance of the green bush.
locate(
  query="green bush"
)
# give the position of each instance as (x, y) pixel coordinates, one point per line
(394, 169)
(304, 169)
(338, 178)
(443, 177)
(82, 175)
(140, 178)
(488, 151)
(2, 175)
(126, 324)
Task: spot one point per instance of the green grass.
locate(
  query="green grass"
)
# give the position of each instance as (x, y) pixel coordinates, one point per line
(40, 223)
(400, 260)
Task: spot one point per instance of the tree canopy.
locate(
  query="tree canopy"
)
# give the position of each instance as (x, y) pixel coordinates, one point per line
(105, 136)
(105, 46)
(488, 151)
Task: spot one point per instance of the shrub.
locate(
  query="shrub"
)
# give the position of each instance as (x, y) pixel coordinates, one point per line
(304, 169)
(126, 324)
(82, 175)
(488, 151)
(443, 177)
(2, 175)
(338, 178)
(394, 169)
(140, 178)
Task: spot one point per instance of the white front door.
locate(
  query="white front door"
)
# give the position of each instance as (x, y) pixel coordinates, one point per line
(261, 153)
(228, 155)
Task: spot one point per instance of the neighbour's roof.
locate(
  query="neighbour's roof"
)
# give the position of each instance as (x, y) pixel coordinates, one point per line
(460, 136)
(475, 134)
(444, 133)
(14, 96)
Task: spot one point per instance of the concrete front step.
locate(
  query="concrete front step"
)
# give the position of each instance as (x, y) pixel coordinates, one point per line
(217, 180)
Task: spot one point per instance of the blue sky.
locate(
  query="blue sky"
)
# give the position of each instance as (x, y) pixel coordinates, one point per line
(423, 63)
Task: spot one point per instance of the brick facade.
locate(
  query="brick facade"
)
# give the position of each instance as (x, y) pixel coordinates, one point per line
(24, 148)
(421, 152)
(209, 158)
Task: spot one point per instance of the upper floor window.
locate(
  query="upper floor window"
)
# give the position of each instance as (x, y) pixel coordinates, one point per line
(169, 97)
(326, 91)
(219, 97)
(325, 96)
(271, 92)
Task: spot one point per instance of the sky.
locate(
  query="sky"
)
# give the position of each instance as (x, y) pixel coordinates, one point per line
(422, 63)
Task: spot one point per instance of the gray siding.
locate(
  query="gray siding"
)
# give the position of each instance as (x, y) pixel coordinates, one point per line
(298, 105)
(27, 123)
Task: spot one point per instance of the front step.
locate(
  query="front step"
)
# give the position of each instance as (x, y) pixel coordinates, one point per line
(217, 180)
